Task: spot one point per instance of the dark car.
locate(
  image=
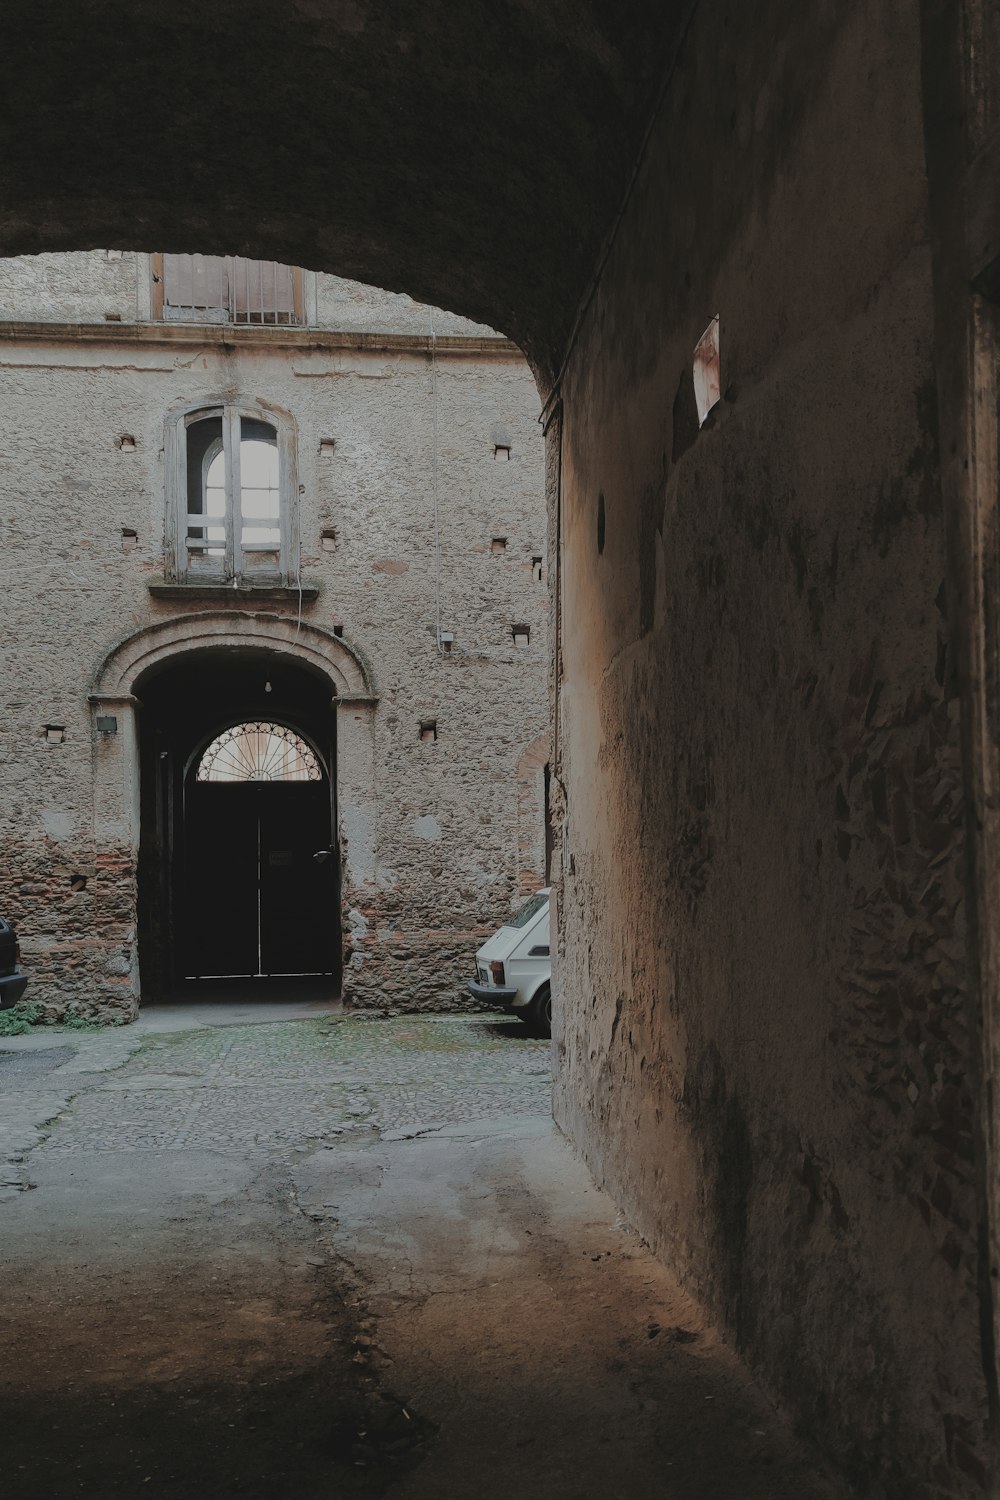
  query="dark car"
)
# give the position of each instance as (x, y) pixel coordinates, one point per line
(12, 982)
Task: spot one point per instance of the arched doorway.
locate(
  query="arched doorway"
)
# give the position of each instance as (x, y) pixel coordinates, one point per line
(162, 698)
(238, 867)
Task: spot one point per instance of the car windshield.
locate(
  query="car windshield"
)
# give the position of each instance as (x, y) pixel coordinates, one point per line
(528, 910)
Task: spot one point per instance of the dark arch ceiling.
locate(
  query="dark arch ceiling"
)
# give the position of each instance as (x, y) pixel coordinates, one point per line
(470, 152)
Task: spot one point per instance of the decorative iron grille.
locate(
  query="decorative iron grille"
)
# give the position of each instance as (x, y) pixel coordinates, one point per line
(259, 752)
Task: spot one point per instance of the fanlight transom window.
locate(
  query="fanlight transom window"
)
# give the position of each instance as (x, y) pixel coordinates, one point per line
(259, 752)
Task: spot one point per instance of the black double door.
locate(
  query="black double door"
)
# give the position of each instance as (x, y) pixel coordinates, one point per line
(255, 900)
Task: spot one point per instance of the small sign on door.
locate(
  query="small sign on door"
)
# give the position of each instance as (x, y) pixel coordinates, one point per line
(279, 858)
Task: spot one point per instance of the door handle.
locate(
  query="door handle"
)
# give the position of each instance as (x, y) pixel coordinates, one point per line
(321, 855)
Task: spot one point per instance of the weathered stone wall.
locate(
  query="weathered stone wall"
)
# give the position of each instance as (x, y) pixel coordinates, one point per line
(763, 1046)
(447, 861)
(98, 286)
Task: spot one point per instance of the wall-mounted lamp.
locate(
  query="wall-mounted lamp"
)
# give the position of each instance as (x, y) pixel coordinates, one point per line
(107, 724)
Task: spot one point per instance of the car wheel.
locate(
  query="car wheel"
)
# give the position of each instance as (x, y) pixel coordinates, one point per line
(540, 1012)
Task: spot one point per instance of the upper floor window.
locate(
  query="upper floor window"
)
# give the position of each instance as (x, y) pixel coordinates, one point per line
(225, 289)
(230, 474)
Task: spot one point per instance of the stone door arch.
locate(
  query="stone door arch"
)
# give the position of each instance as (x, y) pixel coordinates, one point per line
(115, 701)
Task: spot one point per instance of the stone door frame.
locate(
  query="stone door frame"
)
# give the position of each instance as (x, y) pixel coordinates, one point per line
(116, 697)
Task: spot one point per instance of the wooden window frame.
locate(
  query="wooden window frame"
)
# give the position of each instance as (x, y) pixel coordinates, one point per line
(157, 299)
(231, 568)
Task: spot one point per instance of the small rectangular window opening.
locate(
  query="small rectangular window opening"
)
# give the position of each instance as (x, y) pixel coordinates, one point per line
(428, 731)
(130, 539)
(501, 450)
(327, 447)
(521, 634)
(536, 569)
(498, 544)
(707, 371)
(328, 539)
(55, 734)
(338, 631)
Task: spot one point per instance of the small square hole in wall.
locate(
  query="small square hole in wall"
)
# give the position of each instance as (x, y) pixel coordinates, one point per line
(521, 635)
(536, 569)
(112, 317)
(55, 733)
(328, 539)
(498, 544)
(428, 731)
(327, 447)
(707, 371)
(130, 539)
(501, 450)
(126, 443)
(338, 631)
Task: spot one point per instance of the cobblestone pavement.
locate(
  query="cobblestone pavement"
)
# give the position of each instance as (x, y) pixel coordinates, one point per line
(259, 1089)
(341, 1258)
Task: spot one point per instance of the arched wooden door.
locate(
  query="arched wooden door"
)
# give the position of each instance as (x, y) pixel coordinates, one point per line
(259, 894)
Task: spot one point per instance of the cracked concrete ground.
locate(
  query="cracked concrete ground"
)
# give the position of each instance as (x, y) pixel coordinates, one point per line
(341, 1257)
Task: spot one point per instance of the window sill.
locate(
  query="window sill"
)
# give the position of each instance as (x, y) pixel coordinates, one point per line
(276, 593)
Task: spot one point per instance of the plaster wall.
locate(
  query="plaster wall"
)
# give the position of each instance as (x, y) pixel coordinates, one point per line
(434, 854)
(764, 1048)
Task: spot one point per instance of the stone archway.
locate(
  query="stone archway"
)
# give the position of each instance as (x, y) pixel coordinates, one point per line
(509, 240)
(349, 673)
(115, 702)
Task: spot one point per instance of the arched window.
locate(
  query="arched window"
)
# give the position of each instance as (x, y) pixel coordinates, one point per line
(259, 751)
(231, 473)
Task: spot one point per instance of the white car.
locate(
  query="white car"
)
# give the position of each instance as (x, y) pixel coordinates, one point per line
(514, 969)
